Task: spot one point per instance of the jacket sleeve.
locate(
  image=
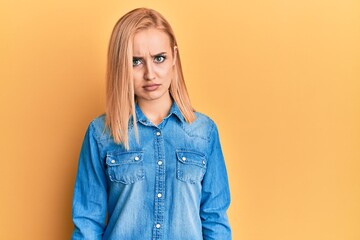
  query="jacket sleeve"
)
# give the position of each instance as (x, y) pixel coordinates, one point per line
(90, 193)
(215, 198)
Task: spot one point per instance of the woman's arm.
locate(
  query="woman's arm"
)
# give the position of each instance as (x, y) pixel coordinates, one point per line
(90, 194)
(215, 194)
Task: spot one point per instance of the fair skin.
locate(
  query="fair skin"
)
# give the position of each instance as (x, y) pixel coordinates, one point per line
(153, 67)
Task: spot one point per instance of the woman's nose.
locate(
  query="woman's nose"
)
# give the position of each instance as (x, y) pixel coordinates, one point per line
(149, 72)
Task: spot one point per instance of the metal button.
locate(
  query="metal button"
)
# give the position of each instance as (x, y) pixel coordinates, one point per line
(184, 158)
(158, 225)
(203, 162)
(159, 195)
(158, 133)
(113, 161)
(160, 162)
(136, 158)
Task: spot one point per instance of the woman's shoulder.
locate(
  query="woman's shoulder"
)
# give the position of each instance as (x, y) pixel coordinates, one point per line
(203, 126)
(98, 128)
(99, 120)
(204, 119)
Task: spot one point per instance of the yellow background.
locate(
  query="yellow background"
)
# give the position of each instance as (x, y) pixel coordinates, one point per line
(280, 78)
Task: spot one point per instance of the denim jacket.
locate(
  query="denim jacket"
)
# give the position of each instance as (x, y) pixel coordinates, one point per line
(171, 185)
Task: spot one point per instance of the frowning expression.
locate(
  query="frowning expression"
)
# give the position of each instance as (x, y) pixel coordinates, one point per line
(153, 64)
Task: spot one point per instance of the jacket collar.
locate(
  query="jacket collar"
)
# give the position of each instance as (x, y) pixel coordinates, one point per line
(174, 110)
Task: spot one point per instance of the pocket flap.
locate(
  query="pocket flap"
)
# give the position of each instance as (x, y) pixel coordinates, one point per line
(191, 157)
(114, 159)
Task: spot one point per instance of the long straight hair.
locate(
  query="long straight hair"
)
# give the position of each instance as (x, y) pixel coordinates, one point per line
(120, 97)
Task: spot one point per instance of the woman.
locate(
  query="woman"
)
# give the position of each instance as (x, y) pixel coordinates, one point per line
(152, 167)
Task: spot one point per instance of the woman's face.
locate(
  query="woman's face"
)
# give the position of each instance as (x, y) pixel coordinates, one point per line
(153, 62)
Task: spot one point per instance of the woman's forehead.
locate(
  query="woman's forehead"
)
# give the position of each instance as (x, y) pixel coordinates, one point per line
(151, 41)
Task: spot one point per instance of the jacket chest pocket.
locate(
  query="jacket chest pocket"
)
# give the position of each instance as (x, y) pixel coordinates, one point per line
(190, 166)
(125, 167)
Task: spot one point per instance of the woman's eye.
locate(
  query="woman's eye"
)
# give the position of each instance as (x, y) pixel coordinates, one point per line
(159, 59)
(136, 62)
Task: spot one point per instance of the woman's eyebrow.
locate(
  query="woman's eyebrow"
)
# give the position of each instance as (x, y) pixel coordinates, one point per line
(162, 53)
(158, 54)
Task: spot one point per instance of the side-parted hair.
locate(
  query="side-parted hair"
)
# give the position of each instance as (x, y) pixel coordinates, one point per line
(120, 97)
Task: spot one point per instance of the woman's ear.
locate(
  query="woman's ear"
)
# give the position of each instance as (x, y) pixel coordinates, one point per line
(175, 55)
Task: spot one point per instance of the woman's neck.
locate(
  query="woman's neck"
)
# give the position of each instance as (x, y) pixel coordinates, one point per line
(156, 110)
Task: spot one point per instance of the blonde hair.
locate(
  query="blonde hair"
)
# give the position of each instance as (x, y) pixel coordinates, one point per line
(120, 97)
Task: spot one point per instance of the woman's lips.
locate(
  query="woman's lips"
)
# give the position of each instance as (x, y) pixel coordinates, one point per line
(151, 87)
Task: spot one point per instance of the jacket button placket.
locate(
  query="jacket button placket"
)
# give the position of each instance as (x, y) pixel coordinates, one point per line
(159, 186)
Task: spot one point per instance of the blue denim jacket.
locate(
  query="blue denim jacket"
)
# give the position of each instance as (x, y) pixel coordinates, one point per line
(173, 185)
